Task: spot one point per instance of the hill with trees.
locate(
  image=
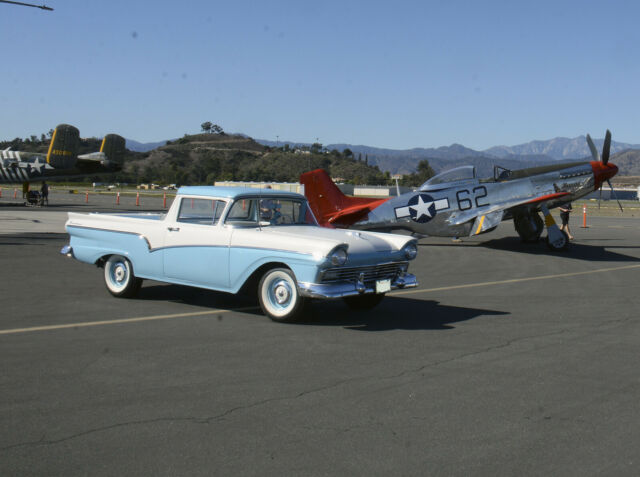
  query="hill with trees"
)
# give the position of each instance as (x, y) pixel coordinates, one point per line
(217, 156)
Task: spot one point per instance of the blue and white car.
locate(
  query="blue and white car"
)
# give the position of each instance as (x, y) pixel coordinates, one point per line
(233, 239)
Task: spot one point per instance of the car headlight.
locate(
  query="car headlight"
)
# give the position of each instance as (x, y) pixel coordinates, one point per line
(410, 251)
(338, 257)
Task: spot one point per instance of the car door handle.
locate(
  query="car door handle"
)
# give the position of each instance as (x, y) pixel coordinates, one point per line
(173, 229)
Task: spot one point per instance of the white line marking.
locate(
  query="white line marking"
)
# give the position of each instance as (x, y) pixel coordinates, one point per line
(123, 320)
(514, 280)
(221, 311)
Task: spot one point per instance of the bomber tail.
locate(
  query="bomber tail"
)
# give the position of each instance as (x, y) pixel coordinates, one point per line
(63, 149)
(330, 206)
(113, 147)
(111, 153)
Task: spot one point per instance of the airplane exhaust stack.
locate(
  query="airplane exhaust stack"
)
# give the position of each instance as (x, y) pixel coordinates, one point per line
(63, 149)
(113, 147)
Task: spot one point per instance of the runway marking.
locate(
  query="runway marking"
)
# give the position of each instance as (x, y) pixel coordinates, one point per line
(123, 320)
(514, 280)
(224, 311)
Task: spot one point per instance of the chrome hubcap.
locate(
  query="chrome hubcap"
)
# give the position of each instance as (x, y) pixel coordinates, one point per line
(120, 273)
(282, 292)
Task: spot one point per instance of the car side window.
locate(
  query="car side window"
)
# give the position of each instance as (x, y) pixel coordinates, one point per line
(200, 211)
(243, 212)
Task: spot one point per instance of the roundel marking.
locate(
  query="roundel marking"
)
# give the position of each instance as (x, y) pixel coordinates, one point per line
(422, 208)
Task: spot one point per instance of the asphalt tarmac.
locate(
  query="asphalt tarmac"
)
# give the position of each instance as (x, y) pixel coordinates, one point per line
(507, 360)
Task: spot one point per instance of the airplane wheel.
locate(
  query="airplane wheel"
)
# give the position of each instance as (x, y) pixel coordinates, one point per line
(529, 226)
(119, 277)
(279, 297)
(363, 302)
(560, 244)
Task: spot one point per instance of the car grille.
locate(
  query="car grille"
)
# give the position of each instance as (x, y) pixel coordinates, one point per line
(371, 272)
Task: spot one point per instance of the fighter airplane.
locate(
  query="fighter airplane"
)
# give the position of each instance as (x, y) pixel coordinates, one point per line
(62, 160)
(456, 203)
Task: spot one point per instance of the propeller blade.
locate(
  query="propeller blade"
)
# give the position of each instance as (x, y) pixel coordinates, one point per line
(606, 147)
(600, 197)
(613, 192)
(592, 148)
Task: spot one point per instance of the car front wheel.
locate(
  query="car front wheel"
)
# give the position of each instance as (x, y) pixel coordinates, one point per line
(119, 277)
(278, 295)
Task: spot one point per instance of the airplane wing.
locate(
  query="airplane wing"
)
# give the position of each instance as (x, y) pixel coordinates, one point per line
(488, 217)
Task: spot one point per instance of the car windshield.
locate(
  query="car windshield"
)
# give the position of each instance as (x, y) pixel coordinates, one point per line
(270, 211)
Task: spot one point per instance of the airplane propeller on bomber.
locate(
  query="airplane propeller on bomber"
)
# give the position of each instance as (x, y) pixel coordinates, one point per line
(606, 148)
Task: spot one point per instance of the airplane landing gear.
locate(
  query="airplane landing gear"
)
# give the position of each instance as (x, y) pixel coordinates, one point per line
(560, 243)
(557, 240)
(529, 226)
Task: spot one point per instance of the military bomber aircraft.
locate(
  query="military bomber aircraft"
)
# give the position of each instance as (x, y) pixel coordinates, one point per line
(61, 160)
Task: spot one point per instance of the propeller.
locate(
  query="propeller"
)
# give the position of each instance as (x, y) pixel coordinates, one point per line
(613, 192)
(606, 150)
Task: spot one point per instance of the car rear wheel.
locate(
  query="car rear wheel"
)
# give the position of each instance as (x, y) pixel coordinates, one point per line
(363, 302)
(119, 277)
(278, 295)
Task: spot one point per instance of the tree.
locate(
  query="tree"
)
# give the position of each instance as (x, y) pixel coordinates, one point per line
(316, 147)
(216, 129)
(422, 174)
(347, 152)
(206, 126)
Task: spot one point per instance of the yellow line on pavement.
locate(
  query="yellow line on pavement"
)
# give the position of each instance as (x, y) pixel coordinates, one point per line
(123, 320)
(514, 280)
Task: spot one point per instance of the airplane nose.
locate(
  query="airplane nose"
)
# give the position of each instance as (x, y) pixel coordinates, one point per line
(602, 172)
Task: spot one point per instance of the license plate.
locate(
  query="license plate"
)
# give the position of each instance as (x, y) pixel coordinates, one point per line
(383, 286)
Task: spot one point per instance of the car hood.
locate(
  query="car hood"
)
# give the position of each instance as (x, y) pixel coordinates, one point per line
(318, 240)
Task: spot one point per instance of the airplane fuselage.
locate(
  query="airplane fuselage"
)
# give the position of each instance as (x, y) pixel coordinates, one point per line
(472, 206)
(17, 167)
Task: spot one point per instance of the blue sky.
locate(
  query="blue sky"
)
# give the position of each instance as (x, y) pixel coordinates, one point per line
(395, 74)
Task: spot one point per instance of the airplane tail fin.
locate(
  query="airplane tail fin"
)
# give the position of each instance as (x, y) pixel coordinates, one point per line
(328, 203)
(113, 147)
(63, 149)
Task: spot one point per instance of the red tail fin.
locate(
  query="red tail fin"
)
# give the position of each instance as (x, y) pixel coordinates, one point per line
(330, 205)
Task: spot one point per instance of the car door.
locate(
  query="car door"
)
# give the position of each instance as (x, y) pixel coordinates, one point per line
(196, 245)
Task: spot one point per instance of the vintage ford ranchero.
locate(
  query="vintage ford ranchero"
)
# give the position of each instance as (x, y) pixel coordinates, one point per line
(231, 239)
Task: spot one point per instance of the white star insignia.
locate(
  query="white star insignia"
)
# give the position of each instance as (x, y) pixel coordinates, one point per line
(36, 165)
(422, 208)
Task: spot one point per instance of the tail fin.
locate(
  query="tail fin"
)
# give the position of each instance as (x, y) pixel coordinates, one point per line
(113, 147)
(328, 203)
(63, 149)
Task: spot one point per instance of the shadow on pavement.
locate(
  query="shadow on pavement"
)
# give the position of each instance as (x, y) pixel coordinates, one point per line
(576, 250)
(394, 313)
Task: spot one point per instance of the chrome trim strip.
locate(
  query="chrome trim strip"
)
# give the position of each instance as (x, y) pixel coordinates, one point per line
(140, 236)
(184, 246)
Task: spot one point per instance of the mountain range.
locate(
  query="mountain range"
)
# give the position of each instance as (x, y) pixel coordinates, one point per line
(404, 161)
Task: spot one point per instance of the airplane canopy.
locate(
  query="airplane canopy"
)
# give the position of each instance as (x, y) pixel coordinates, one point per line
(450, 177)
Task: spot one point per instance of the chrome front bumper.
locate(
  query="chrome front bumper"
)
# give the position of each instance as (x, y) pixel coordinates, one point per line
(342, 289)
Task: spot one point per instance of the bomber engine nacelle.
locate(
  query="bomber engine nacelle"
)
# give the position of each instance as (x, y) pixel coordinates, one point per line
(63, 149)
